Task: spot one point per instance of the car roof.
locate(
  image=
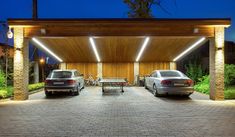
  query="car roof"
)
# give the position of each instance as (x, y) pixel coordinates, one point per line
(166, 70)
(65, 70)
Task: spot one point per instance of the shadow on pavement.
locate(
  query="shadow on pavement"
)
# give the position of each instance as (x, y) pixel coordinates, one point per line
(112, 92)
(175, 98)
(61, 95)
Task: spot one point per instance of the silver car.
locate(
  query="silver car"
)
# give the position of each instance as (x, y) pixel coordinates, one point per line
(172, 82)
(64, 81)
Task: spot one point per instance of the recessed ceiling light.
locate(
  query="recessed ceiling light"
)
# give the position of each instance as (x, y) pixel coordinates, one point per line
(94, 48)
(46, 49)
(197, 43)
(142, 48)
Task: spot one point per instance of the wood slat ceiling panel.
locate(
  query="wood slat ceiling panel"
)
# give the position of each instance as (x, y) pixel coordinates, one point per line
(71, 49)
(166, 48)
(118, 49)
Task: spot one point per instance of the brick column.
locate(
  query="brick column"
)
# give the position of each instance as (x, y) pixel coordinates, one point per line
(21, 51)
(217, 65)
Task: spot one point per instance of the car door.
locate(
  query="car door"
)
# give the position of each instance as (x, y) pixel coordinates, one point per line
(150, 80)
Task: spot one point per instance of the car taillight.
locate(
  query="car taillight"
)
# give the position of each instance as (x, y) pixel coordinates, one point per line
(189, 82)
(166, 82)
(48, 82)
(71, 82)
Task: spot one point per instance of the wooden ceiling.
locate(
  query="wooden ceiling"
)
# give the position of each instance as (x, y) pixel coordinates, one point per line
(117, 48)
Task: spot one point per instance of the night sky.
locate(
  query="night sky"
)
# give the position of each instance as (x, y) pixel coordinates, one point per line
(117, 9)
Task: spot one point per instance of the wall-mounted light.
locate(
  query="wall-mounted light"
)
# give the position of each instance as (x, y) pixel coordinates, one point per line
(9, 33)
(195, 30)
(18, 49)
(94, 48)
(43, 31)
(46, 49)
(197, 43)
(142, 48)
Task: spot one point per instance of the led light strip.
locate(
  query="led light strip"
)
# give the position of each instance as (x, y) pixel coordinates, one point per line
(94, 48)
(142, 49)
(46, 49)
(197, 43)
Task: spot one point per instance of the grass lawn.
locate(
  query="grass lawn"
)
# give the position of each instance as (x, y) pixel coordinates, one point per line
(8, 92)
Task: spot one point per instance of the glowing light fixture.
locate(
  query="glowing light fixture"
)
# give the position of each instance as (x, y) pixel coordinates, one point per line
(197, 43)
(46, 49)
(94, 48)
(9, 33)
(42, 60)
(142, 49)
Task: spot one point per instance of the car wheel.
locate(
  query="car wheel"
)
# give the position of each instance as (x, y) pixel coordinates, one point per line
(48, 93)
(155, 92)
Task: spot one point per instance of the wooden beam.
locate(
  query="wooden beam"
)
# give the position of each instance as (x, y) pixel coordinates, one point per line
(120, 27)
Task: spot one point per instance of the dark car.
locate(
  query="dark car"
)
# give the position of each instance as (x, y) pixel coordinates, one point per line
(64, 81)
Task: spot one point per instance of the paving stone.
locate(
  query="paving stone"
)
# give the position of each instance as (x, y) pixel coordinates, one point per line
(135, 113)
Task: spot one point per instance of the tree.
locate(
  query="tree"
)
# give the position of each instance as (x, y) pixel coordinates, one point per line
(143, 8)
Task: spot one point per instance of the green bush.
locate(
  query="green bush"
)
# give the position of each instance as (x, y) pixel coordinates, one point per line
(6, 92)
(194, 71)
(36, 86)
(203, 85)
(229, 74)
(2, 79)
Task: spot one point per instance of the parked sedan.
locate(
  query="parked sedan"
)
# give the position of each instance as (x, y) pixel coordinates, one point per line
(64, 81)
(173, 82)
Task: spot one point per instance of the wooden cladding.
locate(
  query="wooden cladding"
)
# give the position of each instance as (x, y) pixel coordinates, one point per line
(147, 67)
(84, 68)
(119, 70)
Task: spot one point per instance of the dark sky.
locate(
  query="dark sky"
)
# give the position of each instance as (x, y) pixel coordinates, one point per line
(117, 9)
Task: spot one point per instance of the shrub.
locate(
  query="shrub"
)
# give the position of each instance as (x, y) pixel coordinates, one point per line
(2, 79)
(36, 86)
(194, 71)
(229, 74)
(6, 92)
(203, 85)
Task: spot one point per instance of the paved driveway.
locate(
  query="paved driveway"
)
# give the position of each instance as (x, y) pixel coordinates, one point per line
(135, 113)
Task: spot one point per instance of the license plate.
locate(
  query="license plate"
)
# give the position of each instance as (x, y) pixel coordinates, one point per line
(58, 83)
(178, 84)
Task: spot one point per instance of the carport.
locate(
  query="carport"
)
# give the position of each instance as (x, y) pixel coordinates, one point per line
(118, 47)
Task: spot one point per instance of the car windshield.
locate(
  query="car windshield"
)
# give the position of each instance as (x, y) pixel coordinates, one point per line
(61, 74)
(170, 74)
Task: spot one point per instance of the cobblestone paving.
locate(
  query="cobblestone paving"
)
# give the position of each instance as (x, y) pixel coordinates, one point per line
(134, 113)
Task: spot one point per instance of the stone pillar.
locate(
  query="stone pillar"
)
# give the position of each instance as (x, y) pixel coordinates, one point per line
(173, 66)
(21, 60)
(63, 66)
(136, 72)
(217, 65)
(36, 72)
(99, 70)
